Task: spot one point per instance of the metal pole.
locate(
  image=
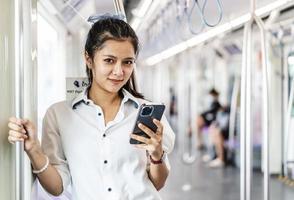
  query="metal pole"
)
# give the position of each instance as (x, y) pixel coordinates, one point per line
(248, 133)
(233, 110)
(287, 131)
(243, 117)
(283, 127)
(246, 181)
(265, 108)
(19, 97)
(119, 8)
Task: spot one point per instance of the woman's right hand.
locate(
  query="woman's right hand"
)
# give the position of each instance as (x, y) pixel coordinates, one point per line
(23, 130)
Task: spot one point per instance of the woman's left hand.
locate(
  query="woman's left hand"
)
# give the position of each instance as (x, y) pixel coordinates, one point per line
(153, 144)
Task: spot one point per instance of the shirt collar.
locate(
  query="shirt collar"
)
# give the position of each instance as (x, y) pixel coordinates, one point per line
(83, 98)
(129, 96)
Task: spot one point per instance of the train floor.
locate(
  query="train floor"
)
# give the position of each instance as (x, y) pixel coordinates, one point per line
(198, 181)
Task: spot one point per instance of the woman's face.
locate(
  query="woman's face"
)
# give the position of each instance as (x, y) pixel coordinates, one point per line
(112, 65)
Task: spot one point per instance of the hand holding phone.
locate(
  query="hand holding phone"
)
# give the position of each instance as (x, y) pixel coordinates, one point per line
(147, 113)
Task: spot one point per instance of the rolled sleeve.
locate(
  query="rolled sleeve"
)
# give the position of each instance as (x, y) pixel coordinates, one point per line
(52, 147)
(168, 139)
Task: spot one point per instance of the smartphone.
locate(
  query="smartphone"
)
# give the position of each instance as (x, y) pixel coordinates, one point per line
(146, 114)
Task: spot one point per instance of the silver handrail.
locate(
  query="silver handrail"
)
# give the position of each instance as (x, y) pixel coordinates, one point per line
(119, 8)
(265, 99)
(189, 156)
(248, 123)
(290, 104)
(233, 111)
(243, 116)
(19, 96)
(246, 134)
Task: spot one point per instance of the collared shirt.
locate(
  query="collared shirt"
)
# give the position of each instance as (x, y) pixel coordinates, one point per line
(95, 157)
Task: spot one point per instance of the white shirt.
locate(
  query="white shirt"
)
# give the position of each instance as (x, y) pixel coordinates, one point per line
(96, 158)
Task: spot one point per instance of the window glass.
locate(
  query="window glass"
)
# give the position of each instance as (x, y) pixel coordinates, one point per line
(51, 70)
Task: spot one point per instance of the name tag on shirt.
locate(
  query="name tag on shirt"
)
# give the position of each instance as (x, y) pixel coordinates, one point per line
(75, 86)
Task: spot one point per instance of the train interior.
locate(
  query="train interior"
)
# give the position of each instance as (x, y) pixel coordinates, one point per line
(242, 49)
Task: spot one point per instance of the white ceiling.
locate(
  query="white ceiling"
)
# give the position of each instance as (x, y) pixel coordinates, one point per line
(159, 32)
(231, 10)
(74, 13)
(104, 6)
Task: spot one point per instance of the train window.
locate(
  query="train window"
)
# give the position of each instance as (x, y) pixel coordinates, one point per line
(51, 67)
(51, 75)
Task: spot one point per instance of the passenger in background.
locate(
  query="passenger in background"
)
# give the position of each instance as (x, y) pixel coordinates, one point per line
(219, 133)
(207, 117)
(85, 141)
(173, 112)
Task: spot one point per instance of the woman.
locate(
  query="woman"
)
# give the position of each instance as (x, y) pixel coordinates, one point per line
(86, 141)
(207, 117)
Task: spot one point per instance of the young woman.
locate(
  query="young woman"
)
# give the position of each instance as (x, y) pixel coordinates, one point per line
(85, 141)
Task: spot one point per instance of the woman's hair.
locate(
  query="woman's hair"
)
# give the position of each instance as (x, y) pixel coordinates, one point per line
(111, 28)
(214, 92)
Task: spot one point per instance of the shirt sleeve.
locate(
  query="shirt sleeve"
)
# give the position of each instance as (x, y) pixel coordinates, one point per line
(52, 147)
(168, 139)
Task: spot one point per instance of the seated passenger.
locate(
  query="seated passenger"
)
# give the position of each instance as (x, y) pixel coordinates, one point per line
(207, 117)
(219, 132)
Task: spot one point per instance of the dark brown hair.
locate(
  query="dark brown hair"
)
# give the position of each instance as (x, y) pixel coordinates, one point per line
(110, 28)
(214, 92)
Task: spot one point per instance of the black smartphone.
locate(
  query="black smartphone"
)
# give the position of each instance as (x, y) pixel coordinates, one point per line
(146, 114)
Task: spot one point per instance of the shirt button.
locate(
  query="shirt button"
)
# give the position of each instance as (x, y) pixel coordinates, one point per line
(105, 161)
(99, 114)
(104, 135)
(109, 189)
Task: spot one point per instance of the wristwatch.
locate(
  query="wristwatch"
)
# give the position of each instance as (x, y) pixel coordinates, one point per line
(160, 161)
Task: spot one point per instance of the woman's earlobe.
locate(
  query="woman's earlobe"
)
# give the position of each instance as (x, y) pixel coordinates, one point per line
(88, 60)
(89, 65)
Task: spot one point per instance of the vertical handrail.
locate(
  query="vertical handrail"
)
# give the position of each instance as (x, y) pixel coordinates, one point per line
(248, 132)
(233, 111)
(243, 117)
(265, 108)
(283, 107)
(288, 119)
(19, 97)
(119, 8)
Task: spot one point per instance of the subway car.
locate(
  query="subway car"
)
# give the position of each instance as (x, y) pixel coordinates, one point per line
(217, 76)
